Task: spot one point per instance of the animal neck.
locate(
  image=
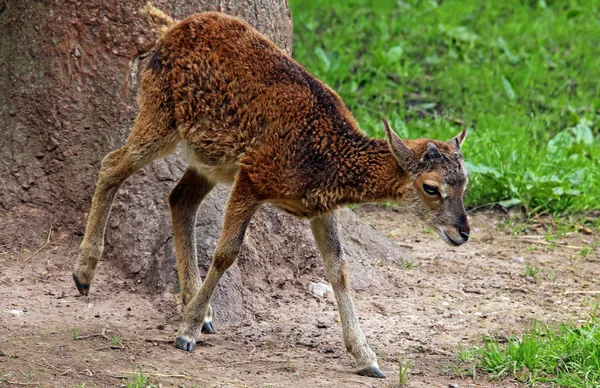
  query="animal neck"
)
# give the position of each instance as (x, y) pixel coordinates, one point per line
(374, 174)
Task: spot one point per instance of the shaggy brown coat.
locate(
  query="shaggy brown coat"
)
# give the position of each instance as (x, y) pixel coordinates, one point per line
(248, 114)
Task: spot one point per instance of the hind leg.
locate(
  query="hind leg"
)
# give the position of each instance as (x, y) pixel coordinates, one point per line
(145, 144)
(184, 201)
(242, 204)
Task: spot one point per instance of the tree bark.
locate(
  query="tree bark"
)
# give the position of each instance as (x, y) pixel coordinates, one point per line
(68, 84)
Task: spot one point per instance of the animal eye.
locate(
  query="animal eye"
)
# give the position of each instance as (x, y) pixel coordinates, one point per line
(430, 190)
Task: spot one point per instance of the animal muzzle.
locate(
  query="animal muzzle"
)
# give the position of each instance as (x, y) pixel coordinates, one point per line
(456, 234)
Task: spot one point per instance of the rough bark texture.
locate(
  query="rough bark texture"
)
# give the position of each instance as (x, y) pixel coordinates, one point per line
(68, 85)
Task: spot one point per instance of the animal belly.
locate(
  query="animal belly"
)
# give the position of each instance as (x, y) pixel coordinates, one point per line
(216, 169)
(294, 207)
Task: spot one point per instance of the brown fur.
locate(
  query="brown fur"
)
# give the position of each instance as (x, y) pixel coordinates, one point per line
(248, 114)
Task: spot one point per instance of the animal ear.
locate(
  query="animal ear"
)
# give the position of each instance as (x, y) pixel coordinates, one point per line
(459, 139)
(403, 154)
(432, 152)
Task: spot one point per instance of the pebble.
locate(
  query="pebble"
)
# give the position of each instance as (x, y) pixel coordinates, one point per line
(518, 259)
(16, 312)
(320, 289)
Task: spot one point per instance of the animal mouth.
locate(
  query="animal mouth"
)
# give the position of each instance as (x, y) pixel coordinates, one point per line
(450, 240)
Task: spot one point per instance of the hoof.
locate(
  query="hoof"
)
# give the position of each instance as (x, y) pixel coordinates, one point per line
(208, 328)
(185, 343)
(372, 371)
(84, 289)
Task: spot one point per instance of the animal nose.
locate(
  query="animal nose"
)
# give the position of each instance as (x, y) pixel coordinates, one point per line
(463, 233)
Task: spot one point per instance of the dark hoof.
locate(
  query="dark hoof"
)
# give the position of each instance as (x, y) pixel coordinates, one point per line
(372, 371)
(84, 289)
(184, 343)
(208, 328)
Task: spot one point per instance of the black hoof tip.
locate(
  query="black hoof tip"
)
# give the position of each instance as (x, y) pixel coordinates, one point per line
(84, 289)
(208, 328)
(372, 371)
(185, 343)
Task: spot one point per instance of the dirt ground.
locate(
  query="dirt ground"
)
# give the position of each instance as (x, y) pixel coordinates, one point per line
(454, 296)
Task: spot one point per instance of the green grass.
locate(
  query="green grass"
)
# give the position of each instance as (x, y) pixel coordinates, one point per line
(409, 265)
(532, 271)
(466, 354)
(115, 341)
(138, 380)
(523, 76)
(567, 357)
(402, 372)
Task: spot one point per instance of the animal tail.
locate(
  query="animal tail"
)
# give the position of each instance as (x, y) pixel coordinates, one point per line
(161, 22)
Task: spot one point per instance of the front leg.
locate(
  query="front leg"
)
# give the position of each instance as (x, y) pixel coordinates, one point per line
(325, 230)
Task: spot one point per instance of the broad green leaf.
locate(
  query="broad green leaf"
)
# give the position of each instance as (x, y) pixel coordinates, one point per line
(482, 169)
(583, 134)
(324, 58)
(510, 202)
(508, 88)
(395, 53)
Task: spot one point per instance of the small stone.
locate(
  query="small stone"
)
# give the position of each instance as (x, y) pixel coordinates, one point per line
(452, 385)
(16, 312)
(518, 259)
(320, 289)
(160, 327)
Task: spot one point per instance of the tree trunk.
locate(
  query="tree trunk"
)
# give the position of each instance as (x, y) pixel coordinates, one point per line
(68, 83)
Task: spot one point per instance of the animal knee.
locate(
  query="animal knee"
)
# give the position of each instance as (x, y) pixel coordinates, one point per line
(114, 169)
(111, 160)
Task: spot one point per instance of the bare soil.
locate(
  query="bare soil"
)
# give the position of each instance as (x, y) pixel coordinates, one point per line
(454, 296)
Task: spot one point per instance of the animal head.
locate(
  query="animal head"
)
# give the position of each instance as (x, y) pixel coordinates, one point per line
(438, 182)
